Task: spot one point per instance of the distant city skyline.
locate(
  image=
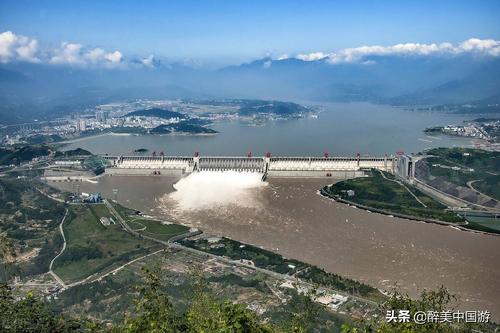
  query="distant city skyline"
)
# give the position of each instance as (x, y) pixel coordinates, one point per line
(229, 32)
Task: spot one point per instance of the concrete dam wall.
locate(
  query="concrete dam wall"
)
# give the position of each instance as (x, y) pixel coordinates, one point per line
(337, 167)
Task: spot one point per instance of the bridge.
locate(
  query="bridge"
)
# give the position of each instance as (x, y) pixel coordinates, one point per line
(275, 166)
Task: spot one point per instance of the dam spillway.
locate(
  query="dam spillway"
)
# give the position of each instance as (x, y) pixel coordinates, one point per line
(275, 166)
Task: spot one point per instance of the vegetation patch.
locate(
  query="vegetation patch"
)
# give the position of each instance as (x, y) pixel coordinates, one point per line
(483, 221)
(489, 185)
(29, 220)
(277, 263)
(160, 231)
(154, 310)
(93, 247)
(461, 165)
(18, 155)
(390, 196)
(149, 227)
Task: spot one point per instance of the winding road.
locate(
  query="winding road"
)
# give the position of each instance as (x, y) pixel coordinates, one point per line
(469, 184)
(51, 272)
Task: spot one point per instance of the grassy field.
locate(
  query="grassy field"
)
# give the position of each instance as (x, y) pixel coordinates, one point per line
(93, 247)
(380, 193)
(160, 231)
(149, 227)
(127, 213)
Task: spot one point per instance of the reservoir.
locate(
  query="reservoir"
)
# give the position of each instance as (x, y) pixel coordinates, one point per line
(342, 129)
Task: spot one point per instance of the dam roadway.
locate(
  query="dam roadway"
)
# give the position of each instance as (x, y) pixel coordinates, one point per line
(268, 165)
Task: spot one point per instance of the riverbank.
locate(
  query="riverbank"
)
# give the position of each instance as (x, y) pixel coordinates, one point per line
(385, 194)
(94, 136)
(462, 227)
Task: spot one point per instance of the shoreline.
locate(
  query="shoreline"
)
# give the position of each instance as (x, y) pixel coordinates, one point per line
(456, 226)
(83, 138)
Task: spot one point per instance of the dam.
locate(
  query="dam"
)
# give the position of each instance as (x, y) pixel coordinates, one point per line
(269, 166)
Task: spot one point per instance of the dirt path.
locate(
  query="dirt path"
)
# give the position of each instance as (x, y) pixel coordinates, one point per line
(51, 272)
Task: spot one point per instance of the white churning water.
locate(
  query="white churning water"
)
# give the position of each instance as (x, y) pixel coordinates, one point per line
(213, 189)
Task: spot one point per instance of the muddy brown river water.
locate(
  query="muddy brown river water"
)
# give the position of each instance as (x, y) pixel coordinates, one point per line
(289, 217)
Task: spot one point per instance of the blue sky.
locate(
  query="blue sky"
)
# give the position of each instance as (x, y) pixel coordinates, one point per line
(235, 31)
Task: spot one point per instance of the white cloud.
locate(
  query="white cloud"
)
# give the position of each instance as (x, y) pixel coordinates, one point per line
(148, 61)
(283, 57)
(311, 56)
(95, 55)
(115, 57)
(489, 46)
(474, 45)
(17, 48)
(75, 54)
(68, 53)
(21, 48)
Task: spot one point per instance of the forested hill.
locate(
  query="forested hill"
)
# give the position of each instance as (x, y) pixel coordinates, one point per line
(284, 109)
(156, 112)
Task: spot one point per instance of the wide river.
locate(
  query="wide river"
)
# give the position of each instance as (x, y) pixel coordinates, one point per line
(341, 129)
(289, 217)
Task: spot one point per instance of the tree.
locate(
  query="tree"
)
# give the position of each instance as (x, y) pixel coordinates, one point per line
(153, 310)
(434, 301)
(29, 314)
(304, 312)
(207, 314)
(7, 253)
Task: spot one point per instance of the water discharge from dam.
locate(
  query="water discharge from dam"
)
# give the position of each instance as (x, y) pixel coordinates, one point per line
(215, 189)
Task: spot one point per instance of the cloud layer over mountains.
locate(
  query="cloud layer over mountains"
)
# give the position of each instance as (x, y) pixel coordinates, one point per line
(37, 81)
(18, 48)
(473, 45)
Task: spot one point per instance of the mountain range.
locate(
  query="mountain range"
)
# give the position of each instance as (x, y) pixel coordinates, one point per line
(38, 91)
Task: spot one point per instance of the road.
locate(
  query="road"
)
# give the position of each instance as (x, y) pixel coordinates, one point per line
(114, 271)
(49, 196)
(407, 189)
(92, 278)
(51, 272)
(438, 194)
(469, 184)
